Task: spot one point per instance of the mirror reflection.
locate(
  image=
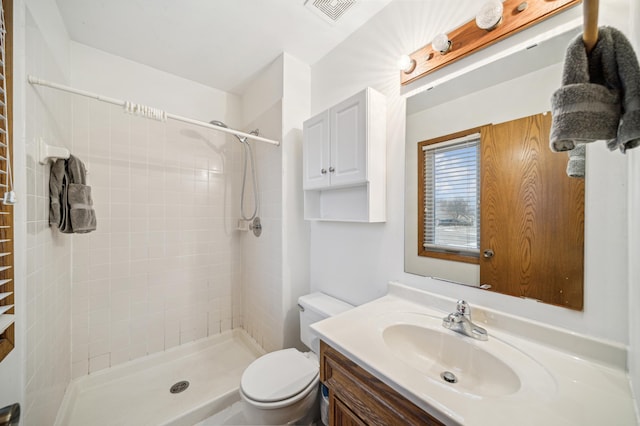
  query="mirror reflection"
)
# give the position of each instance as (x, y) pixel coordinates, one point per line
(513, 245)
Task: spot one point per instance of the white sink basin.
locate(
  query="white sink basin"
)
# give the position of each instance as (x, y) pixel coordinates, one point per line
(445, 357)
(476, 368)
(525, 373)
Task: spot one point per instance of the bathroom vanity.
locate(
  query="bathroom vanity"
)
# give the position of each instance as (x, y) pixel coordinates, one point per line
(358, 398)
(391, 361)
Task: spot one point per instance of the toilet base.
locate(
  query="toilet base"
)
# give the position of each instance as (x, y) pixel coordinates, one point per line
(304, 412)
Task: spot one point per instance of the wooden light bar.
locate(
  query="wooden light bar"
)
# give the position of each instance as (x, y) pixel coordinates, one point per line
(518, 15)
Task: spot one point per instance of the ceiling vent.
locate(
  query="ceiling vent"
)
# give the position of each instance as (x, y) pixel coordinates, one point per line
(329, 10)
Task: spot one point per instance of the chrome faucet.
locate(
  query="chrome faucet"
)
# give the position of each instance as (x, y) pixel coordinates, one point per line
(460, 322)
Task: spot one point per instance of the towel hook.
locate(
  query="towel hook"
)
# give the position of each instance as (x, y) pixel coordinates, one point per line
(48, 152)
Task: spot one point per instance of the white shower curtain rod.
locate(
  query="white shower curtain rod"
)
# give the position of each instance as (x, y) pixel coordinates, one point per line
(146, 111)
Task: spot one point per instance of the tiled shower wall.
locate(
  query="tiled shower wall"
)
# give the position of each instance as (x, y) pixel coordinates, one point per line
(262, 296)
(48, 253)
(161, 267)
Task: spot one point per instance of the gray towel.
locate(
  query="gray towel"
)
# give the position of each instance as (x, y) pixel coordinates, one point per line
(76, 170)
(629, 83)
(57, 185)
(584, 109)
(71, 204)
(575, 165)
(600, 95)
(81, 214)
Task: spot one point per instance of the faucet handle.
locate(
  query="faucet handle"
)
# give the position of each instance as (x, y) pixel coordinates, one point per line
(463, 307)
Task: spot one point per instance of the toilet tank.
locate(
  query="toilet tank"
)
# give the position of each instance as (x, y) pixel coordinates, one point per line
(315, 307)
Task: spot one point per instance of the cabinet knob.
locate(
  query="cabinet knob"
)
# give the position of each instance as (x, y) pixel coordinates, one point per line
(332, 169)
(323, 171)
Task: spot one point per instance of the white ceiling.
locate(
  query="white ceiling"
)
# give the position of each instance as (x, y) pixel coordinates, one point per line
(220, 43)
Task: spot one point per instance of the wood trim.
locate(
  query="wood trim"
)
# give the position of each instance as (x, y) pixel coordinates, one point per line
(590, 23)
(453, 257)
(423, 252)
(7, 339)
(364, 396)
(468, 38)
(450, 136)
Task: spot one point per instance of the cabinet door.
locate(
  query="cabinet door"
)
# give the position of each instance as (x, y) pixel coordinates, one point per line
(357, 398)
(315, 151)
(341, 415)
(349, 141)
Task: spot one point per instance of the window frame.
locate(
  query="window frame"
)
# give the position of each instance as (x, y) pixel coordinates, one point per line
(453, 255)
(7, 337)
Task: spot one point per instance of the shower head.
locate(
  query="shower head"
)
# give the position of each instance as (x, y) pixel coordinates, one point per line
(221, 124)
(218, 123)
(248, 156)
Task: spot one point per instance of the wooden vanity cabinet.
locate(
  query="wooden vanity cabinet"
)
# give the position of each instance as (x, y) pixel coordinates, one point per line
(357, 398)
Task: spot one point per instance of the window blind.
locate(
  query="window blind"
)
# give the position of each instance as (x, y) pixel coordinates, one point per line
(452, 196)
(7, 312)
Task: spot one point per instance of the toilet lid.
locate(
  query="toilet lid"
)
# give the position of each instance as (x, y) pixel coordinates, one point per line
(278, 375)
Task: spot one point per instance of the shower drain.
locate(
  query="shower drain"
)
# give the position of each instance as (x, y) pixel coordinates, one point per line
(179, 387)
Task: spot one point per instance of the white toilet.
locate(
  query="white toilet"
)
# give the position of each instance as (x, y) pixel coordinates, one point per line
(281, 387)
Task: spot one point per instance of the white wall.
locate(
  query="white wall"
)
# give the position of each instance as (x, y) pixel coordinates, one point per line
(48, 252)
(634, 243)
(38, 371)
(160, 269)
(275, 265)
(364, 257)
(296, 106)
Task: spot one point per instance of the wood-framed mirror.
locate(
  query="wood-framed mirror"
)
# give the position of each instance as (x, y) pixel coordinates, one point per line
(497, 197)
(515, 88)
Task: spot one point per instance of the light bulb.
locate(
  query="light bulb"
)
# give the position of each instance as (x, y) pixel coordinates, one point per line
(441, 43)
(489, 15)
(406, 64)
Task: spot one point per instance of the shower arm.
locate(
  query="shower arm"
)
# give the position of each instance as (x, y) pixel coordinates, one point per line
(156, 113)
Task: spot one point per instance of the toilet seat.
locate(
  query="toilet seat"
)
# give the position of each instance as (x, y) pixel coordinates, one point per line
(280, 378)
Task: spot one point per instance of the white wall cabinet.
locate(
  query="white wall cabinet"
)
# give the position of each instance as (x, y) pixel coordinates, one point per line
(316, 152)
(344, 154)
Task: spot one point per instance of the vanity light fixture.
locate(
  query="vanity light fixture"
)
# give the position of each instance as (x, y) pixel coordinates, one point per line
(495, 21)
(441, 43)
(406, 64)
(490, 15)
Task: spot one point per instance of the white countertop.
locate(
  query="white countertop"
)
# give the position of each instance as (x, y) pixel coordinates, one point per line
(566, 378)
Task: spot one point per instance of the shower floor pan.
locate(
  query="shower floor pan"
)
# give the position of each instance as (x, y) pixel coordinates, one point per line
(138, 393)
